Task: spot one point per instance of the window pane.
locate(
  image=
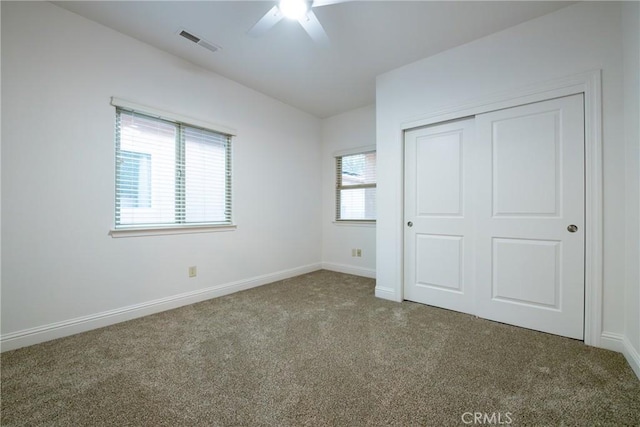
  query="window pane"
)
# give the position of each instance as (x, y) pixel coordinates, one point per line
(358, 204)
(170, 173)
(356, 192)
(206, 177)
(149, 172)
(135, 183)
(359, 169)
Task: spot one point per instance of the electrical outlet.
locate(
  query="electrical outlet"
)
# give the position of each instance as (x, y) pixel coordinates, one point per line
(358, 252)
(354, 252)
(193, 271)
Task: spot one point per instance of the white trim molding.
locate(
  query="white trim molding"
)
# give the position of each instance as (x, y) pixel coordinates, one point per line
(168, 230)
(632, 355)
(387, 293)
(355, 150)
(168, 115)
(65, 328)
(590, 84)
(612, 341)
(621, 344)
(354, 223)
(349, 269)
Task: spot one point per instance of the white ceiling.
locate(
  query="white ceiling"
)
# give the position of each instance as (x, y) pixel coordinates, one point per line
(367, 38)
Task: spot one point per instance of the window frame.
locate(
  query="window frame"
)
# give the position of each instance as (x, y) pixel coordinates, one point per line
(338, 186)
(135, 230)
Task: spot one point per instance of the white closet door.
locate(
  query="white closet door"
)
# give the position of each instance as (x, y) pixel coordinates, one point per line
(530, 216)
(494, 216)
(439, 216)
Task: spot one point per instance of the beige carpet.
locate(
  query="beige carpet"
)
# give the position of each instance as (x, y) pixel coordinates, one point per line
(315, 350)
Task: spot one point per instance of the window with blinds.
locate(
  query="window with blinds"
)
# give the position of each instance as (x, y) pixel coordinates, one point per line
(170, 173)
(356, 187)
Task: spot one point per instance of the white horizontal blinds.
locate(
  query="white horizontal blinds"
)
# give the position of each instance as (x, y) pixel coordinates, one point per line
(145, 169)
(170, 173)
(207, 178)
(356, 187)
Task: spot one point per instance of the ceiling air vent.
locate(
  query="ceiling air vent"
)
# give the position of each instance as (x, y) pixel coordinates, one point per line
(197, 40)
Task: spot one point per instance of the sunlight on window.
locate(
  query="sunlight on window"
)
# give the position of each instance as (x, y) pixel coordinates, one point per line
(170, 173)
(356, 187)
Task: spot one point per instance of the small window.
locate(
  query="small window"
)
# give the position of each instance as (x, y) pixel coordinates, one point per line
(356, 187)
(170, 173)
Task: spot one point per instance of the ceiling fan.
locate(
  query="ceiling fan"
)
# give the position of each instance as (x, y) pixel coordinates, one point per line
(299, 10)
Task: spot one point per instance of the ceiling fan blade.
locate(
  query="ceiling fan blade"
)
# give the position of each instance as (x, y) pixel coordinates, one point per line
(313, 27)
(318, 3)
(270, 19)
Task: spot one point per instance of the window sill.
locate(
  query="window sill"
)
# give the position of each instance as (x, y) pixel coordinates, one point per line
(169, 230)
(355, 223)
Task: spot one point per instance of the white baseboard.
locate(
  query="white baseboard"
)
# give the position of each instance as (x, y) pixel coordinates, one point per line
(621, 344)
(611, 341)
(386, 293)
(65, 328)
(349, 269)
(632, 355)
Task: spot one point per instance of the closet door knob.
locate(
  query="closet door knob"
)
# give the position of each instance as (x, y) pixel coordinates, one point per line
(410, 224)
(572, 228)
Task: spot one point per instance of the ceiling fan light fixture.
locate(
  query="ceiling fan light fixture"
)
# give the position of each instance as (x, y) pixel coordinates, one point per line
(294, 9)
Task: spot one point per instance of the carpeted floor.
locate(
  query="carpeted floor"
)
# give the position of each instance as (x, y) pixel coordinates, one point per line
(315, 350)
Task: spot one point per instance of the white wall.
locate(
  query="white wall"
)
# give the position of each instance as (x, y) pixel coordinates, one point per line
(353, 129)
(61, 267)
(0, 168)
(582, 37)
(631, 46)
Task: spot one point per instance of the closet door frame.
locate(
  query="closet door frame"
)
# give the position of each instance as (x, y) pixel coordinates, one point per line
(589, 84)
